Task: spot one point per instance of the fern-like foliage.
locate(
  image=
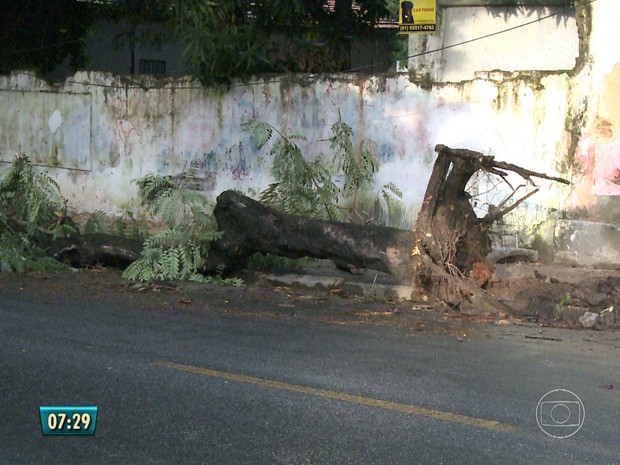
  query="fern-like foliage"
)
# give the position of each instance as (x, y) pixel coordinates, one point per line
(390, 192)
(261, 131)
(178, 252)
(151, 186)
(358, 167)
(307, 187)
(18, 253)
(303, 187)
(30, 198)
(31, 209)
(96, 223)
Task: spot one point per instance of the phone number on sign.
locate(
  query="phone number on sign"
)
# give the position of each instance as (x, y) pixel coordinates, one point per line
(417, 27)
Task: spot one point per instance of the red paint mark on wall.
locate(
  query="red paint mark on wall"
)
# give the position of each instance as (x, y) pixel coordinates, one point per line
(601, 165)
(599, 148)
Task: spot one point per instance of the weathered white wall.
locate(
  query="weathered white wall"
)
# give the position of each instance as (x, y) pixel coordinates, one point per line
(97, 132)
(533, 40)
(597, 170)
(61, 139)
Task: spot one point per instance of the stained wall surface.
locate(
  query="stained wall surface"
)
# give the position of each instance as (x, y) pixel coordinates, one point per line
(96, 133)
(471, 39)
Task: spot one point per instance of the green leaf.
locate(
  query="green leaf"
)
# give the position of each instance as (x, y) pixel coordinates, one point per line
(178, 252)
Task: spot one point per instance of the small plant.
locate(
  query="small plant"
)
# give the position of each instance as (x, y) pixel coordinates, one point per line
(96, 223)
(32, 210)
(301, 187)
(358, 167)
(566, 299)
(307, 187)
(178, 252)
(220, 279)
(32, 200)
(275, 263)
(390, 194)
(124, 226)
(19, 254)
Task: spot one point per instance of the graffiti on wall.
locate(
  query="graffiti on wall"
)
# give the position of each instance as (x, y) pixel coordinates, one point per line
(200, 132)
(127, 131)
(598, 151)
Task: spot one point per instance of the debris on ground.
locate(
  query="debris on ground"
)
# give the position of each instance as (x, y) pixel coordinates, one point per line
(559, 295)
(590, 320)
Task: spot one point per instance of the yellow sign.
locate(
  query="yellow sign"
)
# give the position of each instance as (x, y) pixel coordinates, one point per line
(417, 16)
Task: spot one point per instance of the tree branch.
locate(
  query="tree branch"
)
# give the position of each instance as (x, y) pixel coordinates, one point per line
(488, 163)
(491, 217)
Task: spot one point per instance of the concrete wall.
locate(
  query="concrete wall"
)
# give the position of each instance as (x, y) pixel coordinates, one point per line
(598, 154)
(493, 38)
(97, 132)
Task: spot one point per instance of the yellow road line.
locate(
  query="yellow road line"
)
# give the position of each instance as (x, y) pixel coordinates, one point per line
(335, 395)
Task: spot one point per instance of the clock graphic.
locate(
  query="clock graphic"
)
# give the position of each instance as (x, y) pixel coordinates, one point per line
(68, 420)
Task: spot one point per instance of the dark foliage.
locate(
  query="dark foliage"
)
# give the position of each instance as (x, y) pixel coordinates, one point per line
(41, 34)
(228, 39)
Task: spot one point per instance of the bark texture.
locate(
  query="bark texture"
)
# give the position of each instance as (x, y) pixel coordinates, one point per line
(452, 242)
(250, 227)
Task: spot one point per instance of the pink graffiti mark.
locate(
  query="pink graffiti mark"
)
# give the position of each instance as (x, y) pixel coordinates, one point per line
(382, 119)
(127, 128)
(330, 90)
(124, 127)
(601, 164)
(238, 170)
(410, 133)
(244, 106)
(291, 104)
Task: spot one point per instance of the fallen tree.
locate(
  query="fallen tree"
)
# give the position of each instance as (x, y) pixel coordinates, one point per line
(250, 227)
(90, 249)
(444, 257)
(36, 233)
(452, 242)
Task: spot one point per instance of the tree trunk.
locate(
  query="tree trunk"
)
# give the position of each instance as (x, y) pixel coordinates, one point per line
(444, 258)
(448, 232)
(452, 243)
(250, 227)
(94, 249)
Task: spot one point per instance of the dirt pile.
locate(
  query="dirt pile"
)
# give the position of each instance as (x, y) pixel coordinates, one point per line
(560, 295)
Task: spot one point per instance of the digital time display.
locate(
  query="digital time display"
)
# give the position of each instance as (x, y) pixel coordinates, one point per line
(68, 420)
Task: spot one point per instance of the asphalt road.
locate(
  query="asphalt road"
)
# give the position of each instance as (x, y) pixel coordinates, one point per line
(192, 387)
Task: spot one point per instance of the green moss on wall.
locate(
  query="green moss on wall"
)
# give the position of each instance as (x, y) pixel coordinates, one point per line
(219, 113)
(574, 124)
(583, 16)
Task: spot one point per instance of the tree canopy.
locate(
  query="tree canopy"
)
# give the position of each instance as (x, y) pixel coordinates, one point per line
(41, 34)
(227, 39)
(222, 39)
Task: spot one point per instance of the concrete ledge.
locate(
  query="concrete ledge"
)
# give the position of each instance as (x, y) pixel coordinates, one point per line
(338, 284)
(512, 255)
(587, 243)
